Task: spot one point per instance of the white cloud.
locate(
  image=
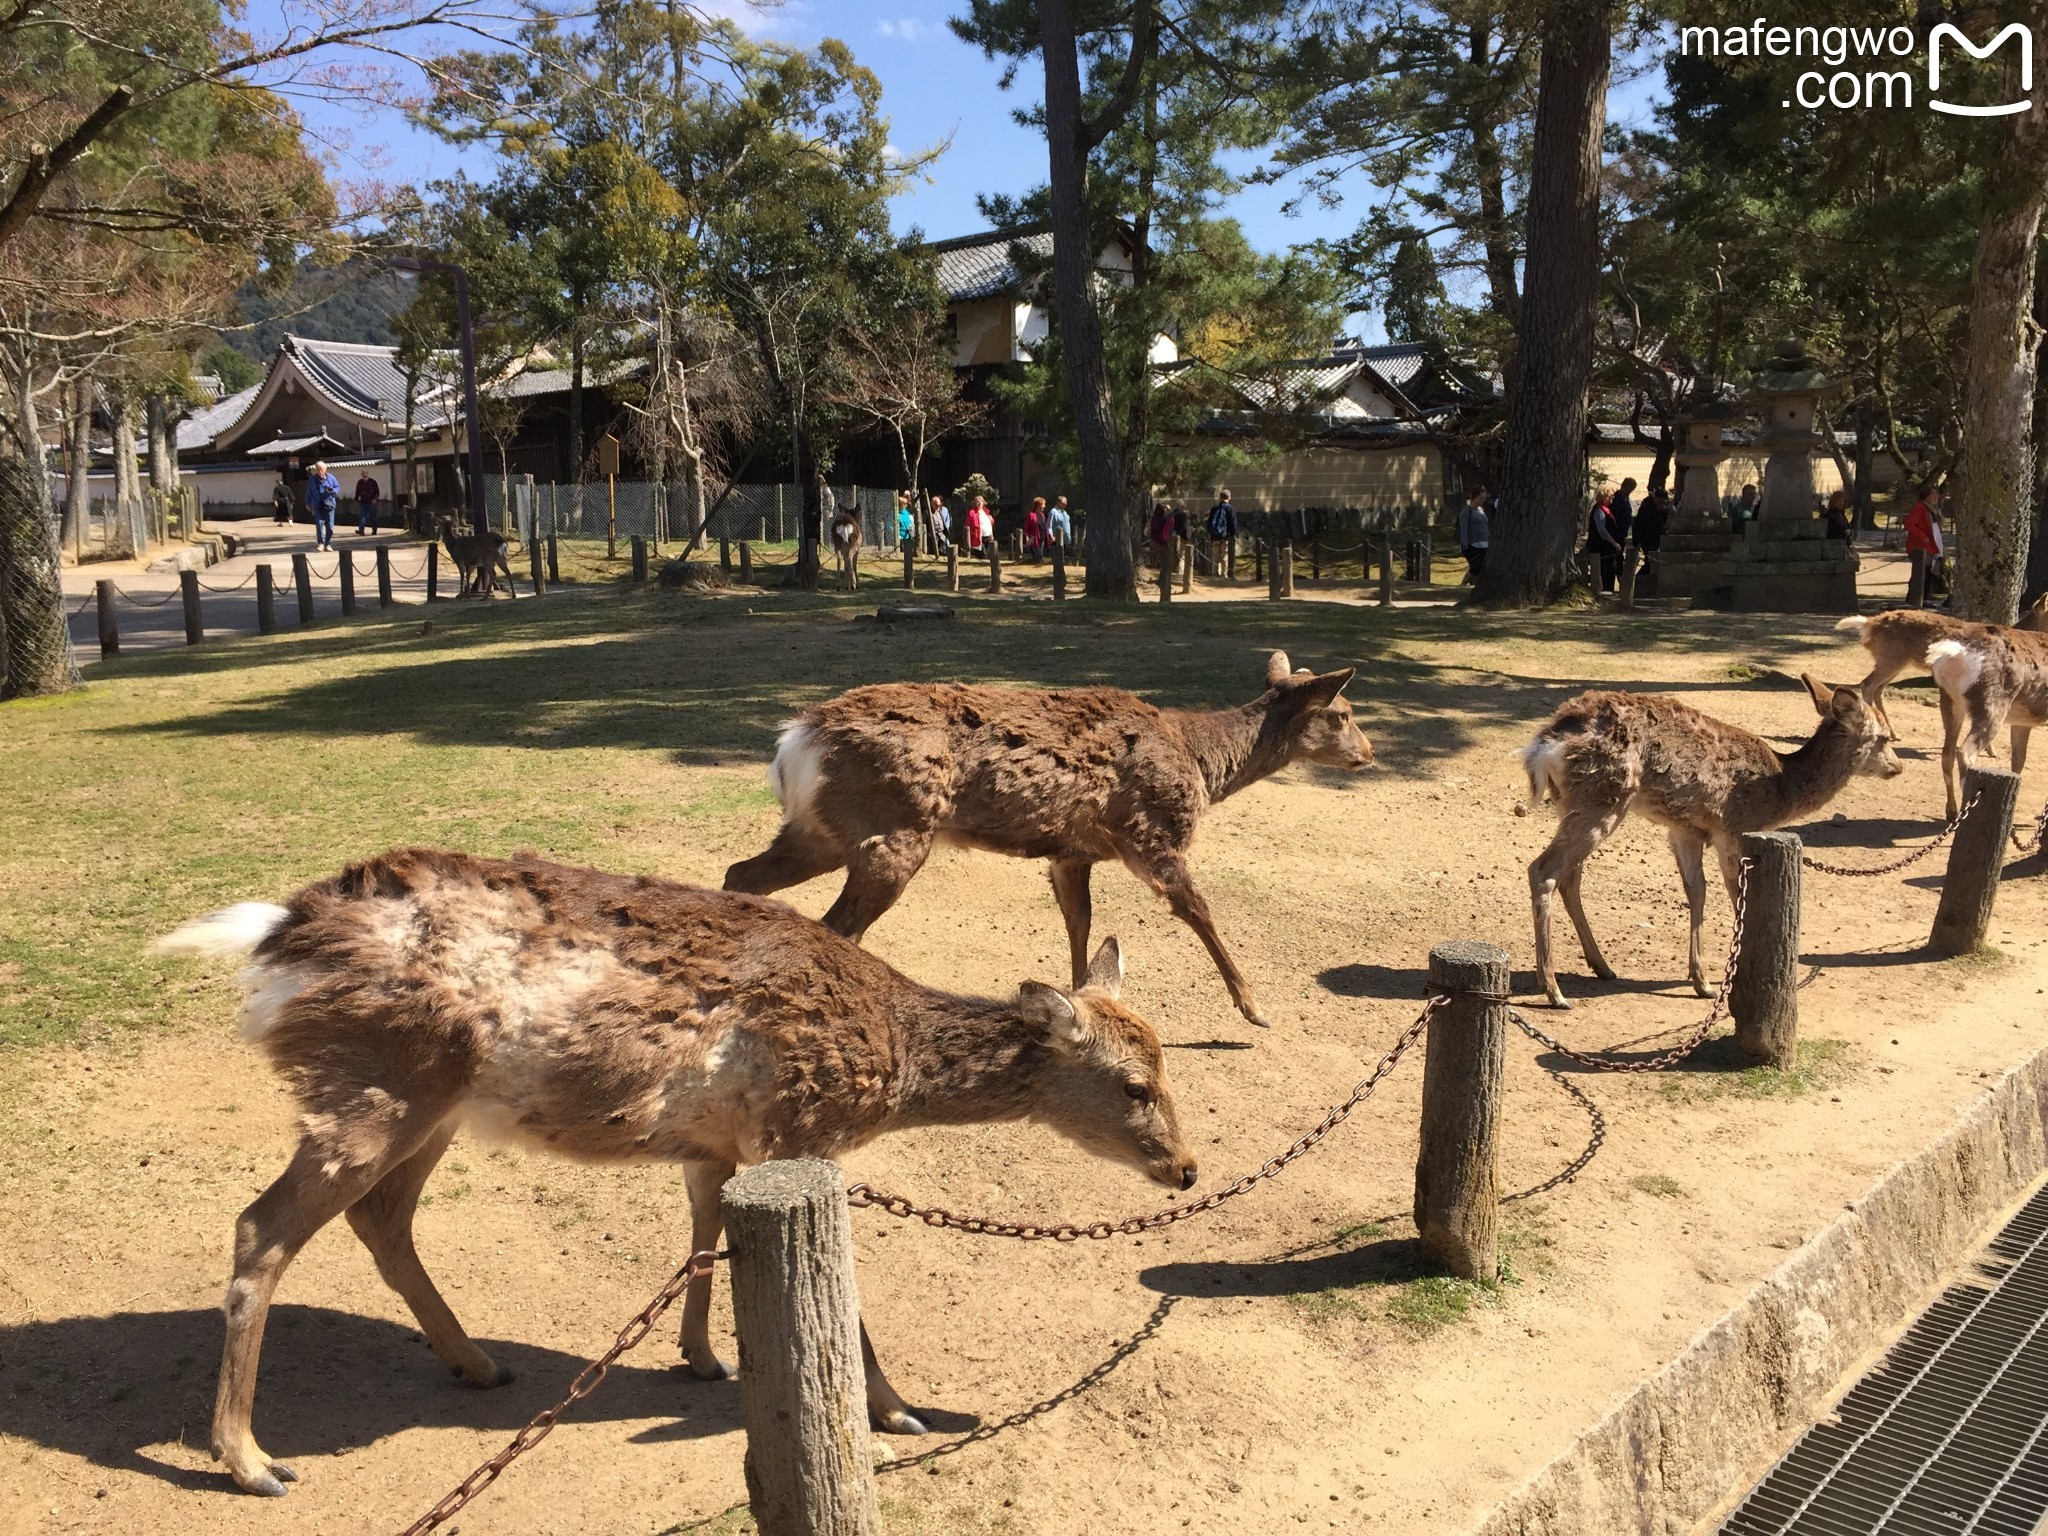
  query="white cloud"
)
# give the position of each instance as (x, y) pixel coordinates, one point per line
(904, 29)
(756, 18)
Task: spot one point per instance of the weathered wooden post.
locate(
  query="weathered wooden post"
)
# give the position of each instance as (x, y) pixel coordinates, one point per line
(995, 567)
(1059, 571)
(909, 565)
(302, 578)
(1283, 568)
(536, 564)
(952, 566)
(345, 568)
(266, 602)
(725, 554)
(1764, 999)
(383, 575)
(554, 561)
(1258, 560)
(1386, 567)
(1457, 1184)
(1315, 558)
(803, 1390)
(1187, 563)
(1166, 571)
(1631, 559)
(1975, 861)
(188, 589)
(110, 625)
(640, 557)
(746, 562)
(434, 572)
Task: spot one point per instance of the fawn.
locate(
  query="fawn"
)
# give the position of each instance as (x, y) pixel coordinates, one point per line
(615, 1018)
(477, 557)
(1900, 638)
(869, 780)
(1604, 754)
(1989, 676)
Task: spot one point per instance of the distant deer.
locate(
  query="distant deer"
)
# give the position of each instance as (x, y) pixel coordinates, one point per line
(1989, 676)
(1899, 640)
(846, 545)
(870, 780)
(476, 556)
(616, 1018)
(1604, 754)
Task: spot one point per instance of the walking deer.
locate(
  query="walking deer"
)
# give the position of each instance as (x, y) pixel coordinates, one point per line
(477, 557)
(615, 1018)
(1899, 639)
(846, 545)
(1706, 782)
(870, 780)
(1989, 676)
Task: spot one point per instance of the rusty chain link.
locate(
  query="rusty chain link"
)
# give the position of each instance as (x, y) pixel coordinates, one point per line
(1679, 1052)
(2028, 844)
(1898, 864)
(586, 1382)
(864, 1194)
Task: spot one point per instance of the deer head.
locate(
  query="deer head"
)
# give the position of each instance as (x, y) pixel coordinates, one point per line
(2035, 615)
(1843, 709)
(1105, 1085)
(1316, 716)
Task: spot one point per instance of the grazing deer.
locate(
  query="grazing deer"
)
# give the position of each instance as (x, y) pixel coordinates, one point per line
(1988, 676)
(869, 780)
(613, 1018)
(1706, 782)
(1899, 639)
(477, 556)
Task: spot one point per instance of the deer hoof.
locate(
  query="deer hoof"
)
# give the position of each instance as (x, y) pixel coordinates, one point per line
(270, 1482)
(708, 1367)
(1604, 971)
(1251, 1012)
(897, 1421)
(1559, 1000)
(1700, 988)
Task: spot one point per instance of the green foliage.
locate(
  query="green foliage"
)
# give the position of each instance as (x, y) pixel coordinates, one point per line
(235, 370)
(977, 485)
(351, 302)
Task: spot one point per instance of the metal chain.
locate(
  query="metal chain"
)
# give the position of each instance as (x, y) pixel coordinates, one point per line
(140, 602)
(1898, 864)
(2026, 843)
(537, 1427)
(864, 1194)
(1677, 1053)
(235, 588)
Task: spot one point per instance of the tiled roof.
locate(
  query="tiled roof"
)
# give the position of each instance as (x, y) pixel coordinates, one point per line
(1396, 362)
(204, 425)
(360, 378)
(979, 266)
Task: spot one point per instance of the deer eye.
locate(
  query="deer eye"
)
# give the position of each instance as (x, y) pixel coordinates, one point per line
(1142, 1092)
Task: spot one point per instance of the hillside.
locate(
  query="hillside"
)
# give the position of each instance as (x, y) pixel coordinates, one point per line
(352, 302)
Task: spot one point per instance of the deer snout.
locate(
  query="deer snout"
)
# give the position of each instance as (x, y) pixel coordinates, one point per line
(1187, 1177)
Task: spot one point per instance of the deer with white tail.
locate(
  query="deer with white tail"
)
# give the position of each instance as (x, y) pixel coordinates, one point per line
(1604, 754)
(1075, 776)
(613, 1018)
(1989, 676)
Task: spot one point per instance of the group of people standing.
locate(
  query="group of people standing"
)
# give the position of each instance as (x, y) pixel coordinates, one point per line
(323, 501)
(1615, 519)
(1043, 527)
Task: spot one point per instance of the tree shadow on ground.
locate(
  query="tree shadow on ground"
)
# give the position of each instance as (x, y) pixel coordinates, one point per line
(107, 1388)
(1379, 1261)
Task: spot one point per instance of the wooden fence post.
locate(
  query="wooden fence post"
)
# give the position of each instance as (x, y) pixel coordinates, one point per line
(555, 561)
(1059, 571)
(302, 578)
(1975, 860)
(640, 557)
(952, 566)
(1764, 1000)
(1166, 572)
(1386, 567)
(746, 561)
(1457, 1184)
(1187, 564)
(434, 572)
(1630, 558)
(536, 564)
(345, 568)
(1283, 569)
(266, 602)
(803, 1390)
(995, 567)
(909, 565)
(725, 554)
(383, 575)
(110, 625)
(1258, 559)
(1315, 558)
(188, 588)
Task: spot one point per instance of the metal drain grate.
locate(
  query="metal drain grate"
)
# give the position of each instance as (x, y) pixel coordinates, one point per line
(1949, 1432)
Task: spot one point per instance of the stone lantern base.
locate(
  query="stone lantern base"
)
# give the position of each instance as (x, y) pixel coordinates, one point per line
(1694, 549)
(1788, 567)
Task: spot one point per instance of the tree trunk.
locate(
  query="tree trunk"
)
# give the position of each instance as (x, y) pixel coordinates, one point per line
(1113, 512)
(38, 645)
(1995, 504)
(1862, 496)
(78, 452)
(1544, 475)
(811, 526)
(163, 455)
(576, 420)
(1489, 171)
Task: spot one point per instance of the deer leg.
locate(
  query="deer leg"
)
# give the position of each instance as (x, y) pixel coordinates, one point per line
(876, 873)
(1555, 871)
(1951, 752)
(1872, 688)
(797, 854)
(1077, 906)
(383, 1220)
(1690, 852)
(1575, 909)
(707, 1220)
(1170, 878)
(886, 1409)
(323, 1179)
(2019, 747)
(511, 587)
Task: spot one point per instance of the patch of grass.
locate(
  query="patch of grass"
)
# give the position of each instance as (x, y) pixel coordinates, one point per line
(1743, 672)
(1433, 1302)
(1659, 1184)
(1985, 957)
(1821, 1064)
(1362, 1229)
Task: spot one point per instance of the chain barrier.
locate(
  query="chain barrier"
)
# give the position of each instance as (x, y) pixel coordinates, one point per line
(864, 1194)
(586, 1382)
(1898, 864)
(235, 588)
(142, 602)
(1679, 1052)
(2028, 843)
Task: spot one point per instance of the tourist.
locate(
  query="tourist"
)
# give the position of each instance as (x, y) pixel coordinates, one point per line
(1159, 534)
(1034, 528)
(1651, 522)
(282, 500)
(367, 494)
(323, 497)
(1924, 545)
(1059, 524)
(1838, 518)
(1623, 509)
(1744, 510)
(906, 522)
(971, 525)
(988, 521)
(942, 524)
(1472, 535)
(1601, 540)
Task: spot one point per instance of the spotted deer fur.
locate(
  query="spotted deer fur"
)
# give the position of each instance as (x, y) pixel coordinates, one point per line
(611, 1018)
(870, 780)
(1989, 676)
(1705, 782)
(1899, 640)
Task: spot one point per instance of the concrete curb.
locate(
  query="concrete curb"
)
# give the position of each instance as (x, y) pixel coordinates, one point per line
(1675, 1447)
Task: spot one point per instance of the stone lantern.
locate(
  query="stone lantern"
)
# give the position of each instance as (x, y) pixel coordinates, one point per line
(1784, 561)
(1696, 542)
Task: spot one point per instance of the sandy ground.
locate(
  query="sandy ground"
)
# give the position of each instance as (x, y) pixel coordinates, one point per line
(1268, 1366)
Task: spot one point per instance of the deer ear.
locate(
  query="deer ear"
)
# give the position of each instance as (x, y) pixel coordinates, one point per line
(1278, 669)
(1050, 1010)
(1822, 695)
(1845, 704)
(1319, 692)
(1106, 970)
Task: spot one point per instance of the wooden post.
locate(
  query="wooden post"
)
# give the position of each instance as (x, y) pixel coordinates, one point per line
(1975, 860)
(1166, 572)
(1258, 560)
(803, 1390)
(536, 564)
(952, 566)
(554, 560)
(746, 561)
(1283, 569)
(1386, 568)
(909, 564)
(302, 578)
(995, 567)
(345, 567)
(1273, 574)
(1457, 1184)
(383, 575)
(266, 601)
(611, 518)
(1059, 571)
(110, 625)
(1315, 558)
(725, 554)
(434, 572)
(1630, 559)
(1187, 563)
(1764, 999)
(640, 557)
(188, 589)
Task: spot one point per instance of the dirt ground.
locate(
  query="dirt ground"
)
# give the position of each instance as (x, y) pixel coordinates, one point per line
(1280, 1362)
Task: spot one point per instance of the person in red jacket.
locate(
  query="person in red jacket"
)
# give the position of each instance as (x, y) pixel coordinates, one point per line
(1924, 544)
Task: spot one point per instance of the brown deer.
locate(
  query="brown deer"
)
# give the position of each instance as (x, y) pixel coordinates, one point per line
(869, 780)
(1989, 676)
(616, 1018)
(846, 545)
(1706, 782)
(1899, 638)
(477, 557)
